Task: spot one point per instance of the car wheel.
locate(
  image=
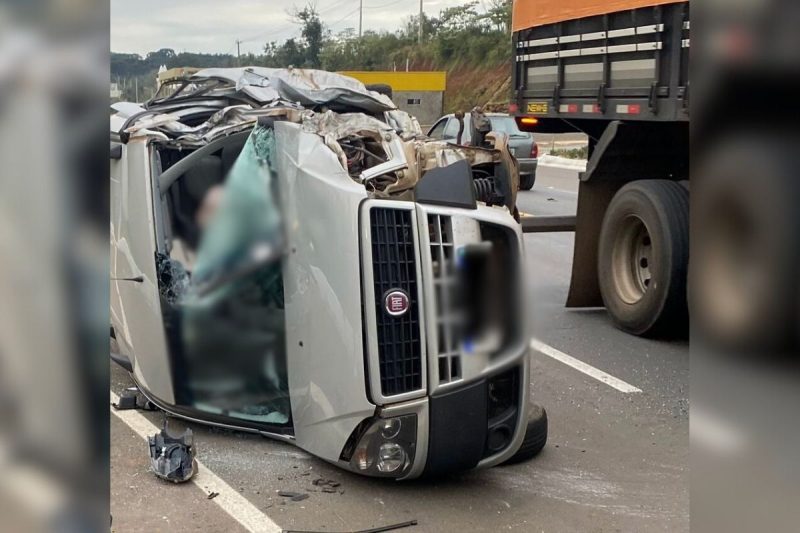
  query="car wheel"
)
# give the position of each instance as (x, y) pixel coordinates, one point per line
(535, 436)
(526, 181)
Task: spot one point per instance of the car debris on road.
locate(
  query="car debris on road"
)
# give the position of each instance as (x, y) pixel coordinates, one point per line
(132, 398)
(379, 529)
(172, 456)
(293, 496)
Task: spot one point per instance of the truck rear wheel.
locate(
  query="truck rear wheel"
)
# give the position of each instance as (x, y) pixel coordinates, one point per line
(643, 255)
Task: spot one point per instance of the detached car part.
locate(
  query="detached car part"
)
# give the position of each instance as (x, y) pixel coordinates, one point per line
(172, 456)
(131, 398)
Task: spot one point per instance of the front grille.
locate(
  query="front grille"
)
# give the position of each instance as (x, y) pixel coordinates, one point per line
(394, 267)
(448, 326)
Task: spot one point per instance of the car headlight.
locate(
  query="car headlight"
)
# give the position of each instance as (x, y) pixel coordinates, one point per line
(391, 457)
(390, 428)
(383, 446)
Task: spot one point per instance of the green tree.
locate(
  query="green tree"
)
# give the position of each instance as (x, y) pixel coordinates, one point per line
(312, 33)
(499, 15)
(457, 19)
(292, 53)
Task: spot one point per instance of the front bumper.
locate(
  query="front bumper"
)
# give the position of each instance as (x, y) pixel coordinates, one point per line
(414, 363)
(461, 428)
(528, 165)
(467, 430)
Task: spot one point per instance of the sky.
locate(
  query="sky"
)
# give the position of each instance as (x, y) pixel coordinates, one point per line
(213, 26)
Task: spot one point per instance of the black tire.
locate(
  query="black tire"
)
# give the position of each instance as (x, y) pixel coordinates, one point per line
(643, 257)
(526, 181)
(535, 436)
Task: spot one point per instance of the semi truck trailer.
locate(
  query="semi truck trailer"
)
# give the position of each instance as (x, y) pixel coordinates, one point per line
(618, 72)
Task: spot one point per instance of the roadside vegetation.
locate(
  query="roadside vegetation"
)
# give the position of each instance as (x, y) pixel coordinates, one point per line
(571, 153)
(472, 45)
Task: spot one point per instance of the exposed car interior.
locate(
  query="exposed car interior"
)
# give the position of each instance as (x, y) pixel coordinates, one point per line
(241, 317)
(185, 186)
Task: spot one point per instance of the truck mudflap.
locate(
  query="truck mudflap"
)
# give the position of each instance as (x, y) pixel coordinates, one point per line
(593, 199)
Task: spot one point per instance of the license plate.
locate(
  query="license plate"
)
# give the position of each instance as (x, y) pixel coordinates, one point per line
(538, 108)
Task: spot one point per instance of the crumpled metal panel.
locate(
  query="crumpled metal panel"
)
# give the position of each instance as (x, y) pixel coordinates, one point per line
(264, 88)
(342, 124)
(322, 290)
(307, 87)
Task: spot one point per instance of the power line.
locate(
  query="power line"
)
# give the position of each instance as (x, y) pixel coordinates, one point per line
(343, 18)
(292, 26)
(334, 7)
(279, 31)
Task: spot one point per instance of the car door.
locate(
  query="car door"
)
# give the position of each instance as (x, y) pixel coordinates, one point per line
(451, 131)
(135, 304)
(437, 131)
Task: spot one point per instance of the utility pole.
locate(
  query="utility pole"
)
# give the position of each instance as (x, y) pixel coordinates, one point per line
(136, 84)
(360, 16)
(238, 53)
(421, 15)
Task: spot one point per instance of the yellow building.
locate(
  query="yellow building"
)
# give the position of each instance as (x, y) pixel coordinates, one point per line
(419, 93)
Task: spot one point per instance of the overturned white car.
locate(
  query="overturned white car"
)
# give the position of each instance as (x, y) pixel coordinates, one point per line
(292, 256)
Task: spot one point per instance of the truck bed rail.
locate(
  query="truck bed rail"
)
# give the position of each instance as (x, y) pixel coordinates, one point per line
(628, 65)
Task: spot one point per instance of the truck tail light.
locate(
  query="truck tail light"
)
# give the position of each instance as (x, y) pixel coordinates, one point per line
(526, 123)
(535, 151)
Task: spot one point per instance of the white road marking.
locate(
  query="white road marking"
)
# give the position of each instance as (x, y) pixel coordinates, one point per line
(229, 500)
(579, 365)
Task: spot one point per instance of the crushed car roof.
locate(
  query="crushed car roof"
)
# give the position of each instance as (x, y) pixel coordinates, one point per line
(214, 100)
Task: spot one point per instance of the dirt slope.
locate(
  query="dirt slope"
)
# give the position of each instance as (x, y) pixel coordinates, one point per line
(468, 86)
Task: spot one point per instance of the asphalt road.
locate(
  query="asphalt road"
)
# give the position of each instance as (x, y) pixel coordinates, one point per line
(613, 462)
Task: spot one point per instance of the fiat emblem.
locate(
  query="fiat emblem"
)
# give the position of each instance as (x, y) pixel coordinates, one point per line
(396, 302)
